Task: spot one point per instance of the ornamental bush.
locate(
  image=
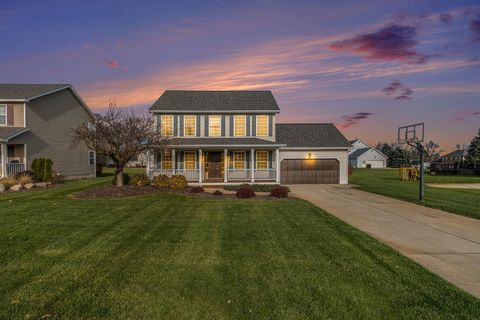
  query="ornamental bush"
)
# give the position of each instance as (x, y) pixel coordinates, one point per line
(126, 179)
(29, 173)
(218, 193)
(160, 181)
(245, 192)
(279, 192)
(140, 180)
(196, 190)
(42, 168)
(8, 182)
(177, 182)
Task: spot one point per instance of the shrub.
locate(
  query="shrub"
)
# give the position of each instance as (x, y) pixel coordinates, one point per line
(255, 187)
(140, 180)
(245, 192)
(42, 168)
(196, 190)
(8, 182)
(218, 193)
(279, 192)
(160, 181)
(126, 179)
(177, 182)
(24, 179)
(29, 173)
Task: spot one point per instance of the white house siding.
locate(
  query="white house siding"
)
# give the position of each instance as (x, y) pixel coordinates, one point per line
(340, 155)
(370, 157)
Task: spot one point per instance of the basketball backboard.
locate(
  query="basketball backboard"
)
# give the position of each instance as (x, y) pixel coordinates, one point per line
(411, 134)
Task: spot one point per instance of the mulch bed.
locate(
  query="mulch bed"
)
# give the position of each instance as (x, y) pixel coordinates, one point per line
(127, 191)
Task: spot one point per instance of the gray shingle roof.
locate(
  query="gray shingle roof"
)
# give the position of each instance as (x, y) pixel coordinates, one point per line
(220, 141)
(357, 153)
(8, 132)
(25, 91)
(178, 100)
(455, 154)
(313, 135)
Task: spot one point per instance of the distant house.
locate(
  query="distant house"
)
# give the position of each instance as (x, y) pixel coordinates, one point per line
(363, 155)
(36, 120)
(451, 163)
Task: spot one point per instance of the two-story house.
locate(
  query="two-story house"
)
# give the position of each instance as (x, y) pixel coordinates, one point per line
(233, 137)
(36, 120)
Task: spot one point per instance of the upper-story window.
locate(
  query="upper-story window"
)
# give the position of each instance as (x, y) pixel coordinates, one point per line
(190, 126)
(215, 126)
(240, 126)
(262, 125)
(3, 114)
(167, 125)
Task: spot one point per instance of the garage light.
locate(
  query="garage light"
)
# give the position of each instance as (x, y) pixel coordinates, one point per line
(309, 155)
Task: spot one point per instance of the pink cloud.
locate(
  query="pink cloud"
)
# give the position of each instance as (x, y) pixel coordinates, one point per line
(397, 89)
(113, 64)
(352, 119)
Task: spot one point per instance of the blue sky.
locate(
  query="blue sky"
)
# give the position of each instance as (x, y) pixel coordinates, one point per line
(325, 61)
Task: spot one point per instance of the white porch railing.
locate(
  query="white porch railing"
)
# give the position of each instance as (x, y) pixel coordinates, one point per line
(235, 174)
(190, 174)
(14, 168)
(265, 174)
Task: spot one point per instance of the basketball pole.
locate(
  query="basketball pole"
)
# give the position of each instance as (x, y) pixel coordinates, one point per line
(422, 178)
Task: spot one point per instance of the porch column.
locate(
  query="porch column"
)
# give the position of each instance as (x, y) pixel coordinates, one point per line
(277, 165)
(148, 163)
(3, 159)
(225, 165)
(200, 166)
(252, 165)
(174, 161)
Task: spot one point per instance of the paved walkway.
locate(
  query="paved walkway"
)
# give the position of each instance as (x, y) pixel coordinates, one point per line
(444, 243)
(455, 185)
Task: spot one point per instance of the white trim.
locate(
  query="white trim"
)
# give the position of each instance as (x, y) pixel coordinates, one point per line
(194, 127)
(252, 165)
(256, 125)
(214, 111)
(6, 115)
(162, 126)
(24, 114)
(225, 165)
(210, 126)
(263, 146)
(200, 166)
(91, 152)
(277, 156)
(25, 155)
(313, 148)
(244, 128)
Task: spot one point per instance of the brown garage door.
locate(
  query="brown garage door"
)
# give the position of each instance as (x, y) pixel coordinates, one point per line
(310, 171)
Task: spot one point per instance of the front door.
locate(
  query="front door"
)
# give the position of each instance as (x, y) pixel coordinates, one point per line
(214, 165)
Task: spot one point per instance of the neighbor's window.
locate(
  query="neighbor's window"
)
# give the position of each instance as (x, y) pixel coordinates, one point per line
(262, 125)
(167, 160)
(214, 126)
(239, 160)
(240, 126)
(167, 125)
(3, 114)
(262, 160)
(91, 157)
(189, 159)
(190, 126)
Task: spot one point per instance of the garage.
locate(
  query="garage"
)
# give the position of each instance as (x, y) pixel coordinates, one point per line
(310, 171)
(375, 163)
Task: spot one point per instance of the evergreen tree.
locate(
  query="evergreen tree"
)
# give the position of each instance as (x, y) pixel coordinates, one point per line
(387, 150)
(473, 152)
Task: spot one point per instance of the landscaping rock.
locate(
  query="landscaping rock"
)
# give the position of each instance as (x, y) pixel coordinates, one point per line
(16, 187)
(40, 184)
(48, 183)
(29, 186)
(2, 187)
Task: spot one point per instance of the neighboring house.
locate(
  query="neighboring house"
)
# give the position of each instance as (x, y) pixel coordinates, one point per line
(36, 120)
(220, 137)
(363, 155)
(451, 163)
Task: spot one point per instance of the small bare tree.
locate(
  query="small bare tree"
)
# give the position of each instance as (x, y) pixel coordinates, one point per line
(119, 135)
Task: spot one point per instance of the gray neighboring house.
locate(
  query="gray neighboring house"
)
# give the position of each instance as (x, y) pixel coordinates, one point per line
(363, 155)
(232, 137)
(36, 120)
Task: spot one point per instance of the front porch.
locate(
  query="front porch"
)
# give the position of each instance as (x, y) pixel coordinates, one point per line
(213, 166)
(12, 159)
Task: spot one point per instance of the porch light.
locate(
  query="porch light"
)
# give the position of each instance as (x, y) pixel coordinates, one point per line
(309, 155)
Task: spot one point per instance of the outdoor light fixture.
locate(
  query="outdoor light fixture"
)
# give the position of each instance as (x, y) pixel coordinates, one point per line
(309, 155)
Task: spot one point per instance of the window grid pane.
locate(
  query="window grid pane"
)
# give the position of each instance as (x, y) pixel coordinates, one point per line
(167, 125)
(190, 126)
(189, 160)
(240, 124)
(214, 126)
(167, 160)
(3, 114)
(239, 160)
(262, 160)
(262, 125)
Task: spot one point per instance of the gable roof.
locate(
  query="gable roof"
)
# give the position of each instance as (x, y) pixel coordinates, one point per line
(455, 154)
(310, 135)
(214, 101)
(221, 142)
(357, 153)
(27, 92)
(7, 133)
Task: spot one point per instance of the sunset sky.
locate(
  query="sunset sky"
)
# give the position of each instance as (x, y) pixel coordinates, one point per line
(367, 66)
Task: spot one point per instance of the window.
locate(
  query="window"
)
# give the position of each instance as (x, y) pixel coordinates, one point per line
(262, 160)
(190, 160)
(91, 158)
(214, 126)
(167, 125)
(3, 114)
(262, 125)
(167, 160)
(240, 126)
(190, 126)
(239, 160)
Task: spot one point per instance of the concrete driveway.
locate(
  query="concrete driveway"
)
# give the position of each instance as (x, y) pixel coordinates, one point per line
(444, 243)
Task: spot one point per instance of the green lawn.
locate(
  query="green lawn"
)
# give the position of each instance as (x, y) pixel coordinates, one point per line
(387, 182)
(166, 256)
